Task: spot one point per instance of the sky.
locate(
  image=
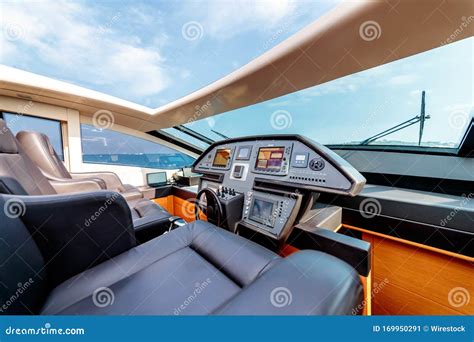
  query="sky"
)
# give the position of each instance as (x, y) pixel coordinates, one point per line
(149, 52)
(154, 52)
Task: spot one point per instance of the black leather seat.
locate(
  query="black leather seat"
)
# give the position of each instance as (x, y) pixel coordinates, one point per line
(19, 175)
(74, 268)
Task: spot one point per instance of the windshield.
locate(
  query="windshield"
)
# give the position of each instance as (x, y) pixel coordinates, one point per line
(362, 108)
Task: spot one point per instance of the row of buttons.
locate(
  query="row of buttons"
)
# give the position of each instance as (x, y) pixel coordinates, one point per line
(308, 179)
(247, 203)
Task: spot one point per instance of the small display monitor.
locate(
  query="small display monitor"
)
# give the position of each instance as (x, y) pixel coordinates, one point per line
(262, 211)
(270, 158)
(156, 179)
(221, 158)
(244, 153)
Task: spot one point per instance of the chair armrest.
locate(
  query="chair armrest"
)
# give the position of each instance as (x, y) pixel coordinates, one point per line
(111, 179)
(78, 231)
(65, 186)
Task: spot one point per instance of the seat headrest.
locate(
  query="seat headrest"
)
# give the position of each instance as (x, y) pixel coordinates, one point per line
(7, 139)
(39, 149)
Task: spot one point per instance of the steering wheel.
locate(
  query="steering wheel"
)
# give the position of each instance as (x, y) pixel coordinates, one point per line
(212, 209)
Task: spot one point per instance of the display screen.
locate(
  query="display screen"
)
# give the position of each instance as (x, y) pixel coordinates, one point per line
(156, 178)
(300, 157)
(244, 153)
(262, 211)
(270, 158)
(221, 158)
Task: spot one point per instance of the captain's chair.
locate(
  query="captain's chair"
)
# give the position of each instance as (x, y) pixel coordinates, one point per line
(39, 148)
(70, 267)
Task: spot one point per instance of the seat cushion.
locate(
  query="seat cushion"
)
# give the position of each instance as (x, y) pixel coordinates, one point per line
(201, 269)
(142, 208)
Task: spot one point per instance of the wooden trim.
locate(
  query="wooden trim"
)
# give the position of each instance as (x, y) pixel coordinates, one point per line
(412, 279)
(414, 244)
(367, 284)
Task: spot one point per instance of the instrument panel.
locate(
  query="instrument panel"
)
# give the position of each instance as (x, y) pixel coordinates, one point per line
(234, 166)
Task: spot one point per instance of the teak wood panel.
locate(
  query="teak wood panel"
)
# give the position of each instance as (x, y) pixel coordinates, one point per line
(178, 207)
(411, 280)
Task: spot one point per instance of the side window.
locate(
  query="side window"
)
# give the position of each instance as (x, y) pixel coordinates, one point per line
(111, 147)
(52, 128)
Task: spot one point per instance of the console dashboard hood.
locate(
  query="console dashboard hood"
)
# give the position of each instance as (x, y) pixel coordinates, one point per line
(353, 180)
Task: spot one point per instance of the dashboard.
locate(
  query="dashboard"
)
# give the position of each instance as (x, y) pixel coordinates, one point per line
(257, 172)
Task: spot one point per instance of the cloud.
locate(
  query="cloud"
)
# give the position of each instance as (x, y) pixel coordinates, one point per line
(222, 20)
(402, 79)
(71, 41)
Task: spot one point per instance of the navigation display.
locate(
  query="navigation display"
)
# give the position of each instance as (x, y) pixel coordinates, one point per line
(221, 158)
(262, 211)
(270, 158)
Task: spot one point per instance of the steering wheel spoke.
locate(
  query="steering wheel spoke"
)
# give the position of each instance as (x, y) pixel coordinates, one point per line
(212, 207)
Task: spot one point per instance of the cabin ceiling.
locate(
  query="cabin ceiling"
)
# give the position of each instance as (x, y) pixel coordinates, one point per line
(355, 36)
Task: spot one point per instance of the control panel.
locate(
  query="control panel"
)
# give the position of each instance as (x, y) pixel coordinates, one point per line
(269, 212)
(235, 166)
